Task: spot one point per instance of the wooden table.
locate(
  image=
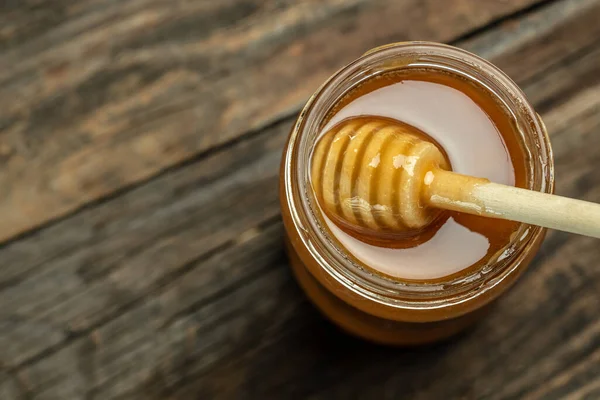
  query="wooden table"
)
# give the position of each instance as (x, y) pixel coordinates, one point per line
(141, 252)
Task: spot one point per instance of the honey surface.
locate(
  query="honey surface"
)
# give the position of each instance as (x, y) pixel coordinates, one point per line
(478, 135)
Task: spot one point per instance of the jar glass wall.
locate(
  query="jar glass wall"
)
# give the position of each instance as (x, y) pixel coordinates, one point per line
(372, 305)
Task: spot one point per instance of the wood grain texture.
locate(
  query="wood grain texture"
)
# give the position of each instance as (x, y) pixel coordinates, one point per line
(97, 95)
(178, 288)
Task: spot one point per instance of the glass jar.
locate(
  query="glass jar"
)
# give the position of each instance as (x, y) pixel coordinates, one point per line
(374, 306)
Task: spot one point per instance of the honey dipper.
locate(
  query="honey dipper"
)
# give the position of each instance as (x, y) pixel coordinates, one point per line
(384, 176)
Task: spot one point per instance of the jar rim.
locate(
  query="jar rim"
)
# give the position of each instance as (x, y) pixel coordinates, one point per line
(333, 258)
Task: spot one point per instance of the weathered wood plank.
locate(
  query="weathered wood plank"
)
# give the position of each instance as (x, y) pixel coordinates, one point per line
(559, 23)
(84, 113)
(205, 301)
(112, 365)
(141, 239)
(30, 27)
(9, 387)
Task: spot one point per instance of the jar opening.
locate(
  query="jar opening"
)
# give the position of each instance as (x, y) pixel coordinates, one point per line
(306, 216)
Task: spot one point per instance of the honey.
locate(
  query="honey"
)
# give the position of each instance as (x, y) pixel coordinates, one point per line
(480, 141)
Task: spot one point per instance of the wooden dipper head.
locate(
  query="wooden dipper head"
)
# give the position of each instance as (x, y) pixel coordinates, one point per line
(382, 179)
(368, 174)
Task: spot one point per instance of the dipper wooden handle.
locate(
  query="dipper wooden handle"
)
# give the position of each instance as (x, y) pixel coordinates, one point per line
(452, 191)
(383, 176)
